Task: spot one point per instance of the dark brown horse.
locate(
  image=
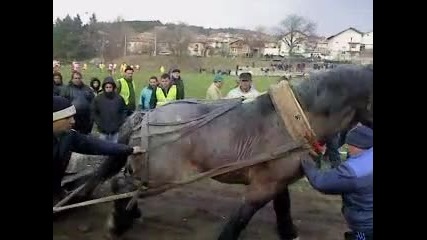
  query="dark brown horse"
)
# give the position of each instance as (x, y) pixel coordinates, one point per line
(234, 131)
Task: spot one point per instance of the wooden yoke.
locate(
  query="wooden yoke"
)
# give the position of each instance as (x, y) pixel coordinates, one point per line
(292, 115)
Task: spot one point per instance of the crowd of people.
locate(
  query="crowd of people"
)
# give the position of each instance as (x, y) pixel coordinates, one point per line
(77, 107)
(106, 104)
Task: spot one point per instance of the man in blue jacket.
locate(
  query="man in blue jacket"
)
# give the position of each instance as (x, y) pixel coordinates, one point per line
(147, 92)
(66, 141)
(353, 179)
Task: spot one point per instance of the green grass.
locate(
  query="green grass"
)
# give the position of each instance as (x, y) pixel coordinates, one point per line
(196, 84)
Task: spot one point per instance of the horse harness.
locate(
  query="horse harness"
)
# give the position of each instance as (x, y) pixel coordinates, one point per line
(286, 105)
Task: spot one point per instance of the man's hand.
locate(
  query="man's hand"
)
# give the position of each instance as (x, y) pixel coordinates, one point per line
(137, 150)
(307, 163)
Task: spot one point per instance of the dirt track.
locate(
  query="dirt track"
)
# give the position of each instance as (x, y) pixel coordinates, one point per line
(198, 212)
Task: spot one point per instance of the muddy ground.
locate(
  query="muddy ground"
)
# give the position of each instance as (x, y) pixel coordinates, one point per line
(198, 212)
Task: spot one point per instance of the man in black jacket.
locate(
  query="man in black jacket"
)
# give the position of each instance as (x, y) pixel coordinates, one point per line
(109, 111)
(81, 96)
(66, 140)
(176, 79)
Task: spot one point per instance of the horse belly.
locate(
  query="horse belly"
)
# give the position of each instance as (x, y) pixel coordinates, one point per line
(235, 177)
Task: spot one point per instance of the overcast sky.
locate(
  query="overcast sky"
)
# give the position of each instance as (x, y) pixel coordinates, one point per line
(331, 16)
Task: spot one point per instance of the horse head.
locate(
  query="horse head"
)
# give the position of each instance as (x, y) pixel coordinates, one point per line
(337, 99)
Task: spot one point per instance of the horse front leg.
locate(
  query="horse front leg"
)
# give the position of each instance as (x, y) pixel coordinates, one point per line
(121, 219)
(282, 206)
(240, 219)
(257, 197)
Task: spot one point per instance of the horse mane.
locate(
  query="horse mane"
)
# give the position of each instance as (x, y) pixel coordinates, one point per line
(333, 90)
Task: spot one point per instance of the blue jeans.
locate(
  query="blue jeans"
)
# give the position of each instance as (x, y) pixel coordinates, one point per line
(358, 236)
(112, 137)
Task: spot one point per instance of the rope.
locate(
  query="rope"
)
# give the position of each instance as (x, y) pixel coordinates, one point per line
(287, 149)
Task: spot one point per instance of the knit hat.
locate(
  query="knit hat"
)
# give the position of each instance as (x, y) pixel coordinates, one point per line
(62, 108)
(218, 78)
(360, 137)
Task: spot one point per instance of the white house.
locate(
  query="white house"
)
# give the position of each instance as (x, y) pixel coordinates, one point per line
(345, 44)
(271, 48)
(367, 41)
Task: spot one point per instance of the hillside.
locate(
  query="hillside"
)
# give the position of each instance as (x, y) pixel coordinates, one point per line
(143, 26)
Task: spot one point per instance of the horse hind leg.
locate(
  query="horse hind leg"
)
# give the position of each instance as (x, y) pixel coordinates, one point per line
(282, 206)
(121, 219)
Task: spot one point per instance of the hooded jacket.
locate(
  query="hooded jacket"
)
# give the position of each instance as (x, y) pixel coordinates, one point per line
(96, 90)
(109, 109)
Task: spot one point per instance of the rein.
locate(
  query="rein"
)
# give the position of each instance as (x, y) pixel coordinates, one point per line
(281, 152)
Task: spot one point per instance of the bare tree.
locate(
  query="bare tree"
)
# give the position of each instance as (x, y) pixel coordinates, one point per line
(115, 41)
(294, 29)
(255, 42)
(223, 50)
(177, 38)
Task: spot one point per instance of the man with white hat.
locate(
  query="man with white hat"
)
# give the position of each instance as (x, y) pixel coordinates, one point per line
(245, 90)
(66, 140)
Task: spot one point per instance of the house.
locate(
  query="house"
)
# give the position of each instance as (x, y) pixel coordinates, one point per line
(345, 44)
(239, 48)
(316, 46)
(141, 43)
(271, 49)
(196, 48)
(367, 41)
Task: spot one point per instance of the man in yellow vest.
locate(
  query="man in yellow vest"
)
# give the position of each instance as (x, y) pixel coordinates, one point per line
(126, 89)
(164, 93)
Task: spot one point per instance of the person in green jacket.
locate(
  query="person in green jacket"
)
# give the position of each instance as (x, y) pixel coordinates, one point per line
(125, 88)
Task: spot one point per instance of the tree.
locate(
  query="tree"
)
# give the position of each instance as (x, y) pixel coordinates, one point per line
(115, 38)
(177, 37)
(255, 42)
(294, 29)
(67, 34)
(74, 41)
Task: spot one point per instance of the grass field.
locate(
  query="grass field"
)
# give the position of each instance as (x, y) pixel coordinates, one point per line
(196, 84)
